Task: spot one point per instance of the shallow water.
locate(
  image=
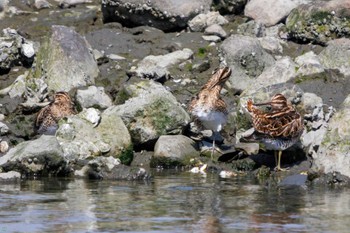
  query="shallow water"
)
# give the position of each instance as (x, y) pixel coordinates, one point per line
(171, 202)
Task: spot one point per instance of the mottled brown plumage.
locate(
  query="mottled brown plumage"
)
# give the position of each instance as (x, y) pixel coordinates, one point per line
(282, 121)
(47, 118)
(208, 109)
(279, 128)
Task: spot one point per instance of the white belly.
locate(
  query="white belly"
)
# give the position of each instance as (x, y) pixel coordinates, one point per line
(212, 120)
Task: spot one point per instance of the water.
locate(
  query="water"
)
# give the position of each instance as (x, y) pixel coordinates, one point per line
(171, 202)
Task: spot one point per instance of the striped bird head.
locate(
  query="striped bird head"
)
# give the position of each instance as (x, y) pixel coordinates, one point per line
(219, 77)
(278, 102)
(62, 97)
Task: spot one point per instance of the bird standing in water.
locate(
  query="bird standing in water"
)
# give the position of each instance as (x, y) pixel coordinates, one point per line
(208, 109)
(47, 118)
(277, 129)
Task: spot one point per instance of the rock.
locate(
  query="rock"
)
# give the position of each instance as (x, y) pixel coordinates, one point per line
(248, 148)
(202, 21)
(4, 129)
(165, 15)
(93, 97)
(70, 3)
(81, 140)
(149, 111)
(247, 60)
(271, 44)
(309, 65)
(176, 149)
(319, 21)
(294, 180)
(251, 28)
(121, 172)
(41, 156)
(4, 146)
(110, 168)
(310, 101)
(201, 66)
(10, 176)
(212, 38)
(66, 61)
(284, 70)
(15, 49)
(337, 56)
(41, 4)
(92, 115)
(270, 13)
(332, 155)
(230, 6)
(216, 30)
(156, 67)
(3, 8)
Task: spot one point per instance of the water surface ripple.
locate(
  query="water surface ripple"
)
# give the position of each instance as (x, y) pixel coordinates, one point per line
(171, 202)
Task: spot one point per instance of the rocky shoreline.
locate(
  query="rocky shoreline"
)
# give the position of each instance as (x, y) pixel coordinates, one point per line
(132, 69)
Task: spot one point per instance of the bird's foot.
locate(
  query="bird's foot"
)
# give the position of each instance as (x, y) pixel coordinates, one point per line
(212, 151)
(279, 169)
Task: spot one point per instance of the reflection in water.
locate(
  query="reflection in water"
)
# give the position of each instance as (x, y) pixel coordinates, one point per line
(173, 202)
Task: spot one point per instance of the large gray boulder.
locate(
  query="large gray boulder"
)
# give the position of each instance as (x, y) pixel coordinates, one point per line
(247, 59)
(83, 140)
(282, 71)
(41, 156)
(269, 12)
(333, 154)
(319, 21)
(174, 149)
(150, 111)
(65, 61)
(337, 56)
(167, 15)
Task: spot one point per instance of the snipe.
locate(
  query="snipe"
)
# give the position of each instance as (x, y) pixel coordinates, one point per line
(277, 129)
(47, 118)
(208, 109)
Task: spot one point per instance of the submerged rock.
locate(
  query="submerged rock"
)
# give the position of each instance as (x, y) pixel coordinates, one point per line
(10, 176)
(165, 15)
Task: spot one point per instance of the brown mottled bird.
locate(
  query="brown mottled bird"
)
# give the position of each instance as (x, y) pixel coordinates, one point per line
(47, 118)
(277, 129)
(208, 109)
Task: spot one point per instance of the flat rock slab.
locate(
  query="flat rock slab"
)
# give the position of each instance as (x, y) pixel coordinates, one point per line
(167, 15)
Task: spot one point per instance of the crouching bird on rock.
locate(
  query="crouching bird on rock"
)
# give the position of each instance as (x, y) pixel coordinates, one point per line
(208, 109)
(277, 129)
(48, 117)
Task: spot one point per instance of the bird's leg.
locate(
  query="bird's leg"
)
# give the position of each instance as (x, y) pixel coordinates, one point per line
(275, 153)
(212, 150)
(278, 168)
